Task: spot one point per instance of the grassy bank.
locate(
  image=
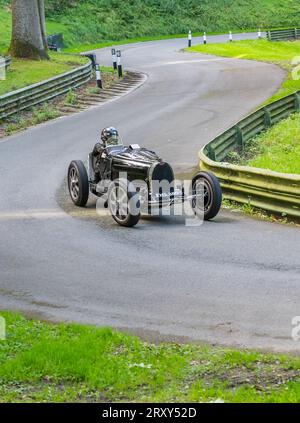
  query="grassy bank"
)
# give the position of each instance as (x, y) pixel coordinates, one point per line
(98, 21)
(280, 53)
(277, 149)
(67, 362)
(26, 72)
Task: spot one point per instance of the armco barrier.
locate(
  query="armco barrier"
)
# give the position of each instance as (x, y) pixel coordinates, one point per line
(283, 34)
(272, 191)
(7, 61)
(35, 94)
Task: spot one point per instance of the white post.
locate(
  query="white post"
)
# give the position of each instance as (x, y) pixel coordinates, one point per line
(114, 58)
(230, 36)
(98, 76)
(119, 63)
(259, 34)
(204, 38)
(190, 38)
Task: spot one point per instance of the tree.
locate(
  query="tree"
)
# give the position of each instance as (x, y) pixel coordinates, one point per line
(28, 29)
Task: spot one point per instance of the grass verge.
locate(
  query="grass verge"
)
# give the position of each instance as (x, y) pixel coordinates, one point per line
(258, 213)
(65, 104)
(277, 149)
(279, 53)
(69, 362)
(26, 72)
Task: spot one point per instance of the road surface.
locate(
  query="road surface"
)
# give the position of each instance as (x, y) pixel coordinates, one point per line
(233, 281)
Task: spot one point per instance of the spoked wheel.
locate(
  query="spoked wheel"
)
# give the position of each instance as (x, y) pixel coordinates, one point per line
(78, 183)
(124, 204)
(207, 193)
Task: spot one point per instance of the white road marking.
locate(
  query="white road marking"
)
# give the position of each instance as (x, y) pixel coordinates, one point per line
(31, 214)
(41, 214)
(183, 62)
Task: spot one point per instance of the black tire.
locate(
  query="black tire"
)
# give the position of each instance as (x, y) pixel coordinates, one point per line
(212, 195)
(122, 210)
(78, 183)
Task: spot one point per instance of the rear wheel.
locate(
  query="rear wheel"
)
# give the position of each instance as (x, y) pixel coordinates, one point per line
(123, 203)
(208, 195)
(78, 183)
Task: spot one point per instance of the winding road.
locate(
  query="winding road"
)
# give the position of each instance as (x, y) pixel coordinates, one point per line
(232, 281)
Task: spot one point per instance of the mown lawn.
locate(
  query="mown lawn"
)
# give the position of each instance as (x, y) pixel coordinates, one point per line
(67, 362)
(26, 72)
(280, 53)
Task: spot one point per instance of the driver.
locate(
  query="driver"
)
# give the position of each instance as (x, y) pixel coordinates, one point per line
(109, 137)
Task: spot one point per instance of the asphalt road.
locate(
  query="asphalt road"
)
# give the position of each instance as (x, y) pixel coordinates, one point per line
(234, 281)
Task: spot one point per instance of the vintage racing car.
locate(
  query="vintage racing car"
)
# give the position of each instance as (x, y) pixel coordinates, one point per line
(132, 180)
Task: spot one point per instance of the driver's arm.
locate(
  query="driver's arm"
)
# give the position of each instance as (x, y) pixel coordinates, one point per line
(98, 149)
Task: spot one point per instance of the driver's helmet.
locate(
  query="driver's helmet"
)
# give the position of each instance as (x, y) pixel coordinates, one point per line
(110, 136)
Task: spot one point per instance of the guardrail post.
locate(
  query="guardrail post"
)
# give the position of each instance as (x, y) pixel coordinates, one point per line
(211, 153)
(230, 36)
(267, 118)
(92, 57)
(204, 38)
(269, 36)
(119, 63)
(296, 34)
(2, 68)
(7, 62)
(190, 38)
(297, 102)
(239, 137)
(114, 58)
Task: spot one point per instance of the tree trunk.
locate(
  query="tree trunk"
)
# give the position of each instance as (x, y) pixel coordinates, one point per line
(41, 6)
(28, 29)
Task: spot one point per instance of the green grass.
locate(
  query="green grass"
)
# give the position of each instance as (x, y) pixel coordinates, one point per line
(69, 362)
(5, 28)
(26, 72)
(260, 214)
(53, 109)
(277, 149)
(38, 115)
(99, 21)
(280, 53)
(117, 20)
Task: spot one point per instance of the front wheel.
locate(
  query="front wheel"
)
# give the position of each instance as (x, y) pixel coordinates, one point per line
(78, 183)
(207, 193)
(124, 204)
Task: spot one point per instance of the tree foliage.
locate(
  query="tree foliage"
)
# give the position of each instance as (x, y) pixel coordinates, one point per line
(119, 19)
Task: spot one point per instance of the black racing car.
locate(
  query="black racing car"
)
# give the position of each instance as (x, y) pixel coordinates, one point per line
(132, 180)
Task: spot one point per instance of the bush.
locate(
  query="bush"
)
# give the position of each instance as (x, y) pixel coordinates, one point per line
(93, 21)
